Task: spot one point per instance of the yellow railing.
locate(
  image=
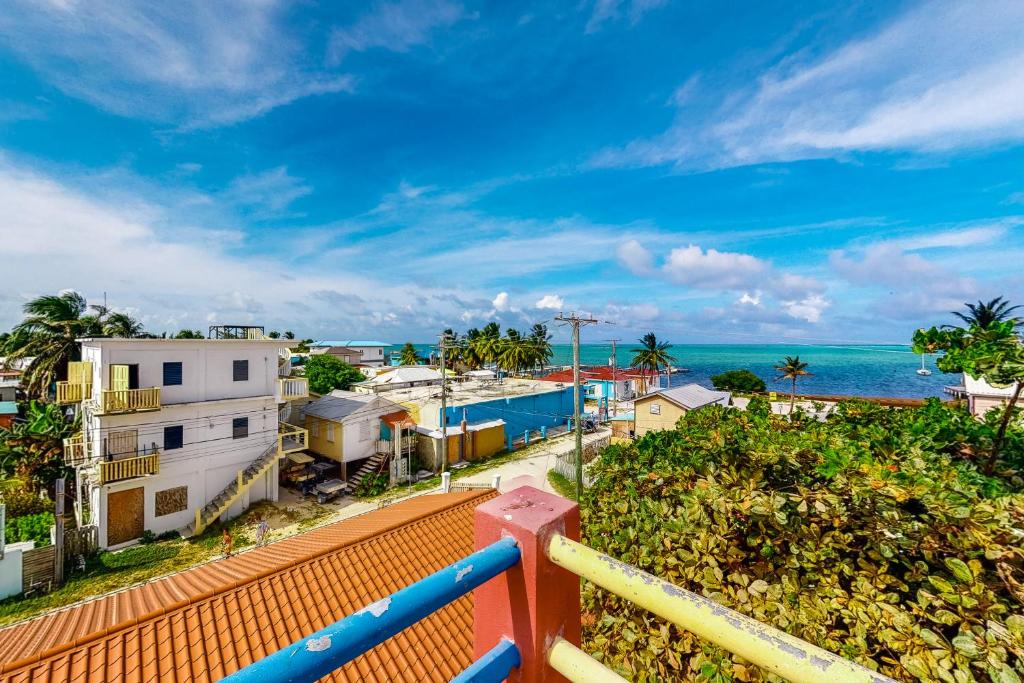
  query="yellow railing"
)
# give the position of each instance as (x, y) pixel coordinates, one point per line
(129, 400)
(73, 392)
(129, 468)
(291, 438)
(75, 450)
(774, 651)
(291, 388)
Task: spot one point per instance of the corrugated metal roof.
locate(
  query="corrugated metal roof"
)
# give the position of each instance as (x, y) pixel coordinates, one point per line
(692, 396)
(406, 373)
(349, 342)
(207, 622)
(339, 405)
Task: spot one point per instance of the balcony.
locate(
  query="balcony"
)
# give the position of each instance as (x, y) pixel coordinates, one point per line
(69, 392)
(292, 388)
(128, 468)
(291, 439)
(387, 446)
(117, 401)
(75, 450)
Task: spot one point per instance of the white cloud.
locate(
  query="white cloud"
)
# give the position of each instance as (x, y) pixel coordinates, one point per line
(192, 62)
(750, 299)
(809, 308)
(267, 194)
(884, 264)
(500, 302)
(610, 10)
(551, 302)
(637, 258)
(713, 269)
(944, 76)
(395, 26)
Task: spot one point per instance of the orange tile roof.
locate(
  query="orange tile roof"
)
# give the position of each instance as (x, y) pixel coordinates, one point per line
(204, 623)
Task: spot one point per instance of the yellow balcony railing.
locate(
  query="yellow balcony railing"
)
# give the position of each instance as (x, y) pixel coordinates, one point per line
(73, 392)
(129, 468)
(75, 452)
(291, 388)
(291, 438)
(114, 401)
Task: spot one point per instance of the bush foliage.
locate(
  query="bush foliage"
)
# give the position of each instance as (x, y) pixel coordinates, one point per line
(327, 373)
(738, 380)
(29, 528)
(874, 535)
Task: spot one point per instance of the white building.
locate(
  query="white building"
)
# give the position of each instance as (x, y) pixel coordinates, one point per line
(371, 352)
(983, 397)
(178, 433)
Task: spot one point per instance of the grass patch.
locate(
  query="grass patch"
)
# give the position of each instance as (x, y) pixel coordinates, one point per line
(562, 484)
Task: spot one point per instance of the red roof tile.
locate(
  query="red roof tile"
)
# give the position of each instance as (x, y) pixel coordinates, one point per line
(594, 373)
(207, 622)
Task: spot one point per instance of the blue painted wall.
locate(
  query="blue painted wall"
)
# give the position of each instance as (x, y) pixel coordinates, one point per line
(520, 412)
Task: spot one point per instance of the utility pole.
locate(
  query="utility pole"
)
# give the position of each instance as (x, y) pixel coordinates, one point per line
(615, 378)
(576, 321)
(444, 405)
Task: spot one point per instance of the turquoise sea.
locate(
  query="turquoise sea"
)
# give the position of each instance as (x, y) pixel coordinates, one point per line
(862, 370)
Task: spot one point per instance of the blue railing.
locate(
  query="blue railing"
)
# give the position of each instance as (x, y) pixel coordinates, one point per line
(321, 653)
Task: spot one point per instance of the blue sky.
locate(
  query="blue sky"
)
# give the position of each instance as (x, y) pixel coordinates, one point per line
(751, 172)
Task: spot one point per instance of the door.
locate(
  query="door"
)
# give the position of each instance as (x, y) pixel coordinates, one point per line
(125, 515)
(122, 444)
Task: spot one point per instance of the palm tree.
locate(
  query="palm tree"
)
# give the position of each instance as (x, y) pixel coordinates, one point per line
(452, 348)
(489, 343)
(471, 357)
(651, 356)
(791, 368)
(35, 446)
(48, 334)
(983, 314)
(122, 325)
(288, 334)
(408, 355)
(540, 342)
(514, 352)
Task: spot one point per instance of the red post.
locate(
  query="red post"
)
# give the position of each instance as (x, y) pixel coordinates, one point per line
(535, 601)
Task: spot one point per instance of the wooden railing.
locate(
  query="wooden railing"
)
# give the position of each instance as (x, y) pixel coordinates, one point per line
(75, 452)
(128, 468)
(387, 446)
(291, 438)
(73, 392)
(291, 388)
(115, 401)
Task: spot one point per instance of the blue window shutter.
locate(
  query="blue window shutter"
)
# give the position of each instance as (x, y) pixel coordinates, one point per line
(172, 374)
(174, 437)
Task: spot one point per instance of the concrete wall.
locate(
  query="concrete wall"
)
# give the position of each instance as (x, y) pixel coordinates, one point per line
(11, 568)
(666, 417)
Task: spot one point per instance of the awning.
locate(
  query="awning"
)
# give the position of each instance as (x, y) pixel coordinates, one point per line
(399, 418)
(300, 458)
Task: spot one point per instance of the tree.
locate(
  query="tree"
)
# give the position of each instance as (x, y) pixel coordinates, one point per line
(122, 325)
(791, 368)
(48, 334)
(327, 373)
(303, 345)
(540, 341)
(471, 357)
(738, 380)
(489, 342)
(35, 447)
(288, 334)
(452, 348)
(274, 334)
(993, 353)
(514, 352)
(984, 313)
(652, 355)
(408, 355)
(188, 334)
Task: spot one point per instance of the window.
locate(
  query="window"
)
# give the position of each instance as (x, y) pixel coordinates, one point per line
(169, 501)
(365, 433)
(655, 409)
(330, 432)
(172, 374)
(240, 370)
(314, 427)
(174, 437)
(239, 427)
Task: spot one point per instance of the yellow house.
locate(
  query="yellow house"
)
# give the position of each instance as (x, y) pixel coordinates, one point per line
(662, 409)
(346, 426)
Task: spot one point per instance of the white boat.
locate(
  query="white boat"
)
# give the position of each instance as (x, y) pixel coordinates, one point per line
(924, 372)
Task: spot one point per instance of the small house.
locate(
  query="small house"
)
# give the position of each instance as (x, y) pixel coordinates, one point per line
(662, 409)
(369, 352)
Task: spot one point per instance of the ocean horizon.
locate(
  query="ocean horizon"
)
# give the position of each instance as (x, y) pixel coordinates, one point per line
(880, 370)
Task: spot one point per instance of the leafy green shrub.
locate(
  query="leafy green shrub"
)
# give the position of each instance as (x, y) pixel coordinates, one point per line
(29, 528)
(738, 380)
(147, 537)
(327, 373)
(20, 502)
(874, 535)
(373, 484)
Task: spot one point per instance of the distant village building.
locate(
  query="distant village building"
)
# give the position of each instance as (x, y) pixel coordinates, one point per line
(602, 382)
(983, 397)
(402, 377)
(176, 431)
(662, 409)
(353, 351)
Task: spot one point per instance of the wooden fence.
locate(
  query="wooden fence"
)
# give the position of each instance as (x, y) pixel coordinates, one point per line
(82, 541)
(38, 569)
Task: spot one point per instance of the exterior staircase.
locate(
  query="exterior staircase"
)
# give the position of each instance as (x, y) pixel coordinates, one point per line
(374, 464)
(232, 492)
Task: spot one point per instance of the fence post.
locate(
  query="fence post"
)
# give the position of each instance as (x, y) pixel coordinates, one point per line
(446, 482)
(509, 440)
(526, 438)
(535, 601)
(544, 431)
(58, 533)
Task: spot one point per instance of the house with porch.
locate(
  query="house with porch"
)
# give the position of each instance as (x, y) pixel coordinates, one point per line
(177, 433)
(661, 409)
